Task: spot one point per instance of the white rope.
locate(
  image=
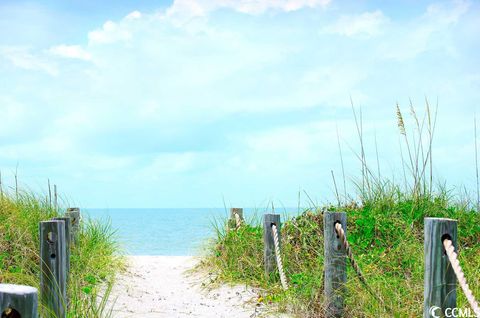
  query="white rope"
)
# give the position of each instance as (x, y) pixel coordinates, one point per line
(452, 256)
(356, 268)
(238, 221)
(348, 249)
(283, 278)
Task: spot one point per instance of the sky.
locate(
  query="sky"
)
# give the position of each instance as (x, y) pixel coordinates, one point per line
(192, 103)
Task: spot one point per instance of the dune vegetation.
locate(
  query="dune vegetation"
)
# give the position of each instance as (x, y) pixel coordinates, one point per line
(385, 231)
(95, 258)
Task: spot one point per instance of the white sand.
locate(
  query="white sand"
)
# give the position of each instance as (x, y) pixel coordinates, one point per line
(160, 286)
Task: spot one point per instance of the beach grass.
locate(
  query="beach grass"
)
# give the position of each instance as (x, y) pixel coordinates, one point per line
(386, 236)
(95, 258)
(385, 230)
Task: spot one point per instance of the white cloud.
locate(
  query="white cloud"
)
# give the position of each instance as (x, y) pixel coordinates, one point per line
(22, 58)
(134, 15)
(185, 9)
(289, 148)
(431, 31)
(447, 13)
(367, 24)
(110, 32)
(179, 71)
(230, 96)
(70, 51)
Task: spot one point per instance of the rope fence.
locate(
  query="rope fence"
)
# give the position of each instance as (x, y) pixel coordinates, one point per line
(442, 268)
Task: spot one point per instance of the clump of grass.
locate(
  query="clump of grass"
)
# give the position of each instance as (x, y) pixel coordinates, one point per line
(385, 230)
(95, 259)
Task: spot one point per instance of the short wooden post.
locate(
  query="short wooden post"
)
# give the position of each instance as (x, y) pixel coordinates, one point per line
(269, 245)
(232, 223)
(68, 225)
(439, 279)
(53, 268)
(335, 264)
(74, 215)
(18, 301)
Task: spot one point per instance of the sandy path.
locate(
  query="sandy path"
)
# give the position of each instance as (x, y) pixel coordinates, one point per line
(158, 286)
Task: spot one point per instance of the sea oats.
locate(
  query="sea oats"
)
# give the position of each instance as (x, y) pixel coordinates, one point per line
(401, 124)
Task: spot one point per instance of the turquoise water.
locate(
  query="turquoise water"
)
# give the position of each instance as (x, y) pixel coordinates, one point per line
(165, 231)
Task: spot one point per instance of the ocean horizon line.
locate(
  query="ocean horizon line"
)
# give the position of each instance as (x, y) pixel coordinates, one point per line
(185, 208)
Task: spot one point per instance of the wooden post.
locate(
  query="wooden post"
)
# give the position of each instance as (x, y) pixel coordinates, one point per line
(18, 301)
(335, 264)
(269, 245)
(68, 225)
(74, 215)
(53, 268)
(439, 279)
(232, 223)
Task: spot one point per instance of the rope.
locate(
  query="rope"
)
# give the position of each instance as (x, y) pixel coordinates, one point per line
(283, 278)
(452, 256)
(238, 221)
(356, 268)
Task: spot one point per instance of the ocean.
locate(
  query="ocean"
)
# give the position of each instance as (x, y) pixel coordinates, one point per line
(165, 231)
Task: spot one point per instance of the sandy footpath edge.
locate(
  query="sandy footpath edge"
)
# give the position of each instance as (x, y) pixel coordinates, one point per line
(161, 286)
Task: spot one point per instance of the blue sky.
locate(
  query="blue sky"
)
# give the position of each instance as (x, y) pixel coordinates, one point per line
(178, 104)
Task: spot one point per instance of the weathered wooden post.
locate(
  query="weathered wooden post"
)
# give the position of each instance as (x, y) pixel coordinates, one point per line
(236, 217)
(68, 225)
(269, 245)
(335, 264)
(439, 279)
(18, 301)
(74, 215)
(53, 268)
